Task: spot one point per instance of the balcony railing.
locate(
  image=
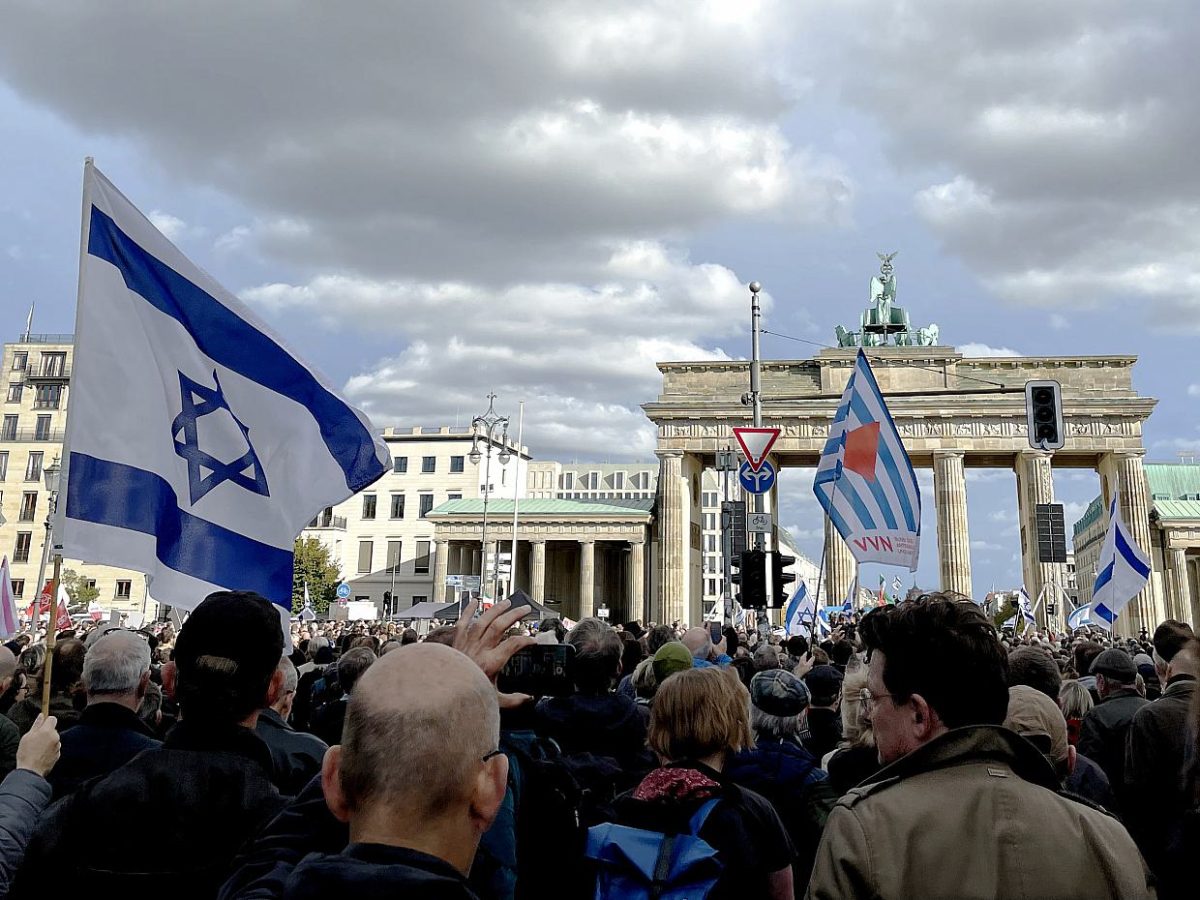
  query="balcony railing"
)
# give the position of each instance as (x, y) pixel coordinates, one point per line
(47, 373)
(336, 522)
(26, 435)
(46, 338)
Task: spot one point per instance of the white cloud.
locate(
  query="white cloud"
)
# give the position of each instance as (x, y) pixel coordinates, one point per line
(1193, 390)
(977, 349)
(1059, 322)
(171, 226)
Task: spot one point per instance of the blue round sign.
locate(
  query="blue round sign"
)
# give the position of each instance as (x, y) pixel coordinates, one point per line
(343, 591)
(757, 482)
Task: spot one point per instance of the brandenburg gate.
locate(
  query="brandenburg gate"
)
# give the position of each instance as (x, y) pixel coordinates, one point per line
(953, 413)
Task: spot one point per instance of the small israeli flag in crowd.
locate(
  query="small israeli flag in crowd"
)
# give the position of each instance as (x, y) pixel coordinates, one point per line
(1080, 617)
(1124, 568)
(800, 612)
(1025, 605)
(198, 445)
(824, 628)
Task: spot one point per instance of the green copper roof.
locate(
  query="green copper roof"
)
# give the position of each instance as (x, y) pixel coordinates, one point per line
(1174, 494)
(1090, 515)
(1177, 509)
(625, 508)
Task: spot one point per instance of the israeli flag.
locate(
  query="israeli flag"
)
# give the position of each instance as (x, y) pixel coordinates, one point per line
(1025, 606)
(800, 612)
(1124, 568)
(198, 445)
(1080, 617)
(865, 480)
(824, 627)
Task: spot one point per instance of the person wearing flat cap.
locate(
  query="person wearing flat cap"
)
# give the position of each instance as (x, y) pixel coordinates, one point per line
(780, 768)
(1104, 729)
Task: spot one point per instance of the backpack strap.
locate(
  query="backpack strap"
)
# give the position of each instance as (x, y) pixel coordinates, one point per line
(701, 815)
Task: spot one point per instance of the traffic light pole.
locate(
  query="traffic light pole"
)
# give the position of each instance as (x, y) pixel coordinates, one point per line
(756, 406)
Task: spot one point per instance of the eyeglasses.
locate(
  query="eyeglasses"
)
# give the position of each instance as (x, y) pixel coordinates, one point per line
(492, 754)
(869, 700)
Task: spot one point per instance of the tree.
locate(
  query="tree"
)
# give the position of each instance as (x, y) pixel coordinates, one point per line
(82, 593)
(313, 565)
(1006, 612)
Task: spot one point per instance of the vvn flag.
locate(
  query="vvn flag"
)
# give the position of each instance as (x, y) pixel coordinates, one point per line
(1124, 568)
(865, 480)
(198, 445)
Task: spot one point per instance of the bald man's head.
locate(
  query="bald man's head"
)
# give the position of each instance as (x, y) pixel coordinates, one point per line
(8, 667)
(418, 724)
(699, 642)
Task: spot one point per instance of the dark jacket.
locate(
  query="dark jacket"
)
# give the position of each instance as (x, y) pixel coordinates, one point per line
(108, 736)
(10, 737)
(1089, 782)
(824, 731)
(606, 725)
(1155, 750)
(63, 707)
(295, 756)
(851, 766)
(1102, 734)
(327, 722)
(23, 796)
(171, 819)
(376, 872)
(790, 777)
(973, 813)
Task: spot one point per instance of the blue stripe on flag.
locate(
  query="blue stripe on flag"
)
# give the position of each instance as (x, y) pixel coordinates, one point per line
(850, 492)
(99, 492)
(909, 517)
(889, 465)
(237, 345)
(1131, 556)
(1104, 613)
(1104, 577)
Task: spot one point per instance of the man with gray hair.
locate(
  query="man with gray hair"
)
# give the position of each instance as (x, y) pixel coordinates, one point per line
(116, 671)
(10, 735)
(296, 756)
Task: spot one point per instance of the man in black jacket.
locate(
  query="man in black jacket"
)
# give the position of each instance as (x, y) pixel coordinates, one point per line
(116, 673)
(1102, 734)
(202, 794)
(1156, 747)
(296, 756)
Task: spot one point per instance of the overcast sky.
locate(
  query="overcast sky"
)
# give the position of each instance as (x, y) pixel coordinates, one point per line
(543, 199)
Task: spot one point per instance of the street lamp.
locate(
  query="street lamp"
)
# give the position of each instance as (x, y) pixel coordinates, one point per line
(485, 426)
(50, 474)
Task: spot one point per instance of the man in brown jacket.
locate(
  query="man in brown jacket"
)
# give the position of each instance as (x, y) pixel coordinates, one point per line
(963, 807)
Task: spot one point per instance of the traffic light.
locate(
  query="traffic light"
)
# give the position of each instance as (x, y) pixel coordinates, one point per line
(1043, 409)
(779, 562)
(753, 579)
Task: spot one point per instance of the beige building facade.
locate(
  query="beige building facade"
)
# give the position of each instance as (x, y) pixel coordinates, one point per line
(952, 413)
(36, 371)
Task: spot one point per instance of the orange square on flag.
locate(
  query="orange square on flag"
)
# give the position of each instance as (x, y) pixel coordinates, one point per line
(862, 445)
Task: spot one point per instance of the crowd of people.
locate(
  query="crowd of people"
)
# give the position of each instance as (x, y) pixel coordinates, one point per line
(914, 752)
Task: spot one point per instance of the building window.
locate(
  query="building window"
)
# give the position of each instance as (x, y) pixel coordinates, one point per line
(400, 465)
(47, 396)
(710, 543)
(18, 585)
(28, 506)
(456, 464)
(568, 481)
(397, 506)
(33, 468)
(8, 431)
(14, 392)
(421, 563)
(618, 481)
(710, 498)
(124, 589)
(710, 521)
(41, 431)
(419, 598)
(426, 504)
(3, 464)
(365, 549)
(393, 555)
(428, 465)
(21, 551)
(368, 506)
(54, 364)
(20, 361)
(454, 496)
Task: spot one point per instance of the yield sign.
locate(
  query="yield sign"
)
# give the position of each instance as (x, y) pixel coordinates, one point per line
(756, 443)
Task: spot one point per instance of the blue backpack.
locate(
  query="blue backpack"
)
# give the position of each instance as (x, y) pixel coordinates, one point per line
(633, 863)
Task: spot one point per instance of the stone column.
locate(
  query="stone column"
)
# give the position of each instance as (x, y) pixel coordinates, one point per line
(839, 566)
(636, 594)
(1181, 586)
(1147, 607)
(1035, 484)
(537, 572)
(486, 585)
(673, 549)
(587, 578)
(954, 544)
(441, 568)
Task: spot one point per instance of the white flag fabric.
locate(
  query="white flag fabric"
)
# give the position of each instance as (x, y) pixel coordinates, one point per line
(198, 445)
(801, 611)
(1080, 616)
(865, 480)
(1025, 605)
(9, 623)
(1124, 568)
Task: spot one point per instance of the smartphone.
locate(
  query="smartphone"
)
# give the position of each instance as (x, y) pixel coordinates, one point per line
(543, 670)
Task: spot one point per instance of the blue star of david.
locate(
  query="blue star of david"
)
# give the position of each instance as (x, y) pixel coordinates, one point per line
(200, 400)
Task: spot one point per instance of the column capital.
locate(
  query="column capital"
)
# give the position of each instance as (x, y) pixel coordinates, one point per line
(441, 541)
(641, 542)
(1123, 455)
(948, 454)
(586, 541)
(537, 541)
(1032, 453)
(669, 454)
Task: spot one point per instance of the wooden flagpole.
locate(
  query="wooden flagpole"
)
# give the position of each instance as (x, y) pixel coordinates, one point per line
(51, 625)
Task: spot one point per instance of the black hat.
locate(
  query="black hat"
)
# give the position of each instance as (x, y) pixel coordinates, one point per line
(1115, 664)
(823, 683)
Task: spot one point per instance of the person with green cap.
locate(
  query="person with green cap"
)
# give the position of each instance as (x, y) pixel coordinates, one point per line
(671, 657)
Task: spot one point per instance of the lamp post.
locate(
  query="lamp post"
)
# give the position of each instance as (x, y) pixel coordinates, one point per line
(50, 474)
(485, 426)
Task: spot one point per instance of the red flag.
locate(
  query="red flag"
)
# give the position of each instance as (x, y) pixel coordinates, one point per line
(64, 617)
(43, 603)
